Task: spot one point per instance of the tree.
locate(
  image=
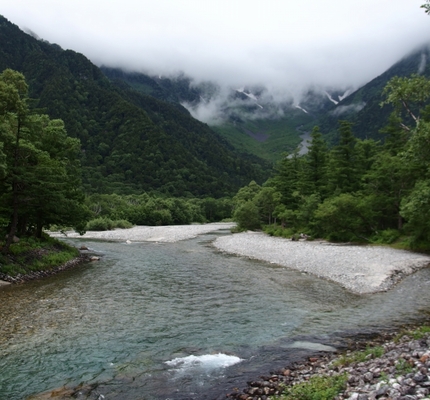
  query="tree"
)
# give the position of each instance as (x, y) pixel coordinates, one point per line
(343, 166)
(345, 217)
(247, 216)
(267, 200)
(41, 174)
(317, 160)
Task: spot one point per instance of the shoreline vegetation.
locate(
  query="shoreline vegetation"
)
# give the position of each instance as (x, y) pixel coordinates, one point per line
(30, 258)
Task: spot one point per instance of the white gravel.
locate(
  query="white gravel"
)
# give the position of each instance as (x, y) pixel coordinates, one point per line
(171, 233)
(360, 269)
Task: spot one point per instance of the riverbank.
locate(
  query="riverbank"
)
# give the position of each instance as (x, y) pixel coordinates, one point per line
(360, 269)
(30, 276)
(393, 366)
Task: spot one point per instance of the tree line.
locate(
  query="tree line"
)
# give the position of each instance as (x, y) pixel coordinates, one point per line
(40, 179)
(358, 190)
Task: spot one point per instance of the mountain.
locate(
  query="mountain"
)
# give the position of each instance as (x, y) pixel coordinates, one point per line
(252, 119)
(131, 141)
(362, 107)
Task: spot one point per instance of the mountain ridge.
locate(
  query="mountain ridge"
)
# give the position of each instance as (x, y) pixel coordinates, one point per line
(130, 142)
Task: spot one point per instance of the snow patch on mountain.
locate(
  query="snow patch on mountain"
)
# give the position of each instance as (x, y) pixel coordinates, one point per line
(331, 98)
(301, 108)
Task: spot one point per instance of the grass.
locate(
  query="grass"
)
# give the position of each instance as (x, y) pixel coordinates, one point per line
(359, 356)
(328, 387)
(317, 388)
(31, 254)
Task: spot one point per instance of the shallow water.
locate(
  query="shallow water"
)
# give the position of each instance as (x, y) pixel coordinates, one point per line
(177, 320)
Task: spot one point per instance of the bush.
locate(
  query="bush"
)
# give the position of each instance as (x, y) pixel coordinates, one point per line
(122, 224)
(106, 224)
(387, 237)
(100, 224)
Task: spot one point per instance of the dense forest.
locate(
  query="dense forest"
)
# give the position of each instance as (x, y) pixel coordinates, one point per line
(131, 142)
(358, 190)
(78, 151)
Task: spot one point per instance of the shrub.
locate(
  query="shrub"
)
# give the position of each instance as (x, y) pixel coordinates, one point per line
(122, 224)
(100, 224)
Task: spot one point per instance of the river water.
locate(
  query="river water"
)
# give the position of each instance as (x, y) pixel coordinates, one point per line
(178, 321)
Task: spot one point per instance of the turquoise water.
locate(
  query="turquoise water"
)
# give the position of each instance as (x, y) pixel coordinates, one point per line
(159, 321)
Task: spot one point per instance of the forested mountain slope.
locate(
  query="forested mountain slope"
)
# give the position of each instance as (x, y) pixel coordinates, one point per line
(363, 107)
(130, 142)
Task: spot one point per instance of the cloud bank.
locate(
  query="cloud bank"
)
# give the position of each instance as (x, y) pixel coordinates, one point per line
(236, 43)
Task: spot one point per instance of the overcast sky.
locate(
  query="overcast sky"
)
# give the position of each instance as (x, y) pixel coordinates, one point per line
(279, 43)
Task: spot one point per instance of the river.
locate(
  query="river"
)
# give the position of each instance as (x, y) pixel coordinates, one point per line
(178, 321)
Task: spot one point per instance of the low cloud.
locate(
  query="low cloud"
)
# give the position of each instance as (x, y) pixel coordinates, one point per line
(350, 109)
(282, 46)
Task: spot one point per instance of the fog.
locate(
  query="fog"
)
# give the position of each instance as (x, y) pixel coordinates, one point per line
(284, 46)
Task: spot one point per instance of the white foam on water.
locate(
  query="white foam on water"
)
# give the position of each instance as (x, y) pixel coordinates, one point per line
(205, 361)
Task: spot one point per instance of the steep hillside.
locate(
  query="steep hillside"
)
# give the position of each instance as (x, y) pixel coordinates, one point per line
(251, 119)
(130, 142)
(363, 108)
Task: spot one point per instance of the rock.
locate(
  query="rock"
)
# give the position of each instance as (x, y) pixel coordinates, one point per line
(14, 240)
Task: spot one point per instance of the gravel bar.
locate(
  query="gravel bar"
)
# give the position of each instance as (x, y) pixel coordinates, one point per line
(360, 269)
(162, 234)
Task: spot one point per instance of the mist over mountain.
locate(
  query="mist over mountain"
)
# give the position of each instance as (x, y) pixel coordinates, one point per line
(268, 122)
(131, 142)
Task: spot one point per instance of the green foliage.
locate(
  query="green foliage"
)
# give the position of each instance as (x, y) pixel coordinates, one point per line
(359, 356)
(247, 216)
(416, 209)
(41, 183)
(317, 388)
(387, 236)
(267, 138)
(345, 218)
(420, 332)
(34, 254)
(359, 190)
(274, 230)
(100, 224)
(131, 142)
(403, 367)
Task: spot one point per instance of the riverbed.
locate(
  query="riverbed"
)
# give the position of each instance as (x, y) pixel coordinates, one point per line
(179, 320)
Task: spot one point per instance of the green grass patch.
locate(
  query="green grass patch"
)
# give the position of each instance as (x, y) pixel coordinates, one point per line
(31, 254)
(317, 388)
(359, 356)
(403, 367)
